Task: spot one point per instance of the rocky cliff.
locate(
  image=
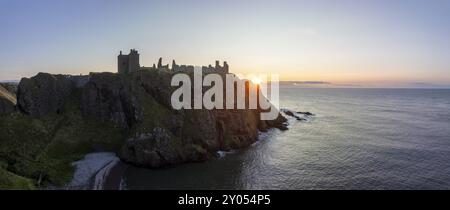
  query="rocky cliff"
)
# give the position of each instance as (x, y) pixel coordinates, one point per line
(129, 114)
(157, 134)
(43, 94)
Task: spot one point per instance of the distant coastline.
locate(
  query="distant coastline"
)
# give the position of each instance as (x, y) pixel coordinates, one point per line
(324, 84)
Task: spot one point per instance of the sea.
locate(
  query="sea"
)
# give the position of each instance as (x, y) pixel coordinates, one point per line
(357, 139)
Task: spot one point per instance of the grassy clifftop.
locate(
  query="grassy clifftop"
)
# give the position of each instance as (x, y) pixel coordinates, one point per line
(42, 149)
(9, 180)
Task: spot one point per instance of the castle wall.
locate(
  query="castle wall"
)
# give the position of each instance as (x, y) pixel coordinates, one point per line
(216, 69)
(128, 63)
(133, 61)
(206, 69)
(122, 64)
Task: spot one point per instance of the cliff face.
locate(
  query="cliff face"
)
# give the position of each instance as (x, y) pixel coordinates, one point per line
(43, 94)
(109, 96)
(132, 111)
(157, 134)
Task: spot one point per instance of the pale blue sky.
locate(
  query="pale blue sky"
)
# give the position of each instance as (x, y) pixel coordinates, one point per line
(358, 42)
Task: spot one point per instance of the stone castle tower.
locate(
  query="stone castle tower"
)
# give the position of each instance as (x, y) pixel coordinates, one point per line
(128, 63)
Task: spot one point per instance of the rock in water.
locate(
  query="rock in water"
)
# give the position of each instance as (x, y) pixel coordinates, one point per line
(289, 113)
(306, 113)
(7, 101)
(292, 114)
(43, 94)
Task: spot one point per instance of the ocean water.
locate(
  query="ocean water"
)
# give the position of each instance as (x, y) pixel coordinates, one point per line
(358, 139)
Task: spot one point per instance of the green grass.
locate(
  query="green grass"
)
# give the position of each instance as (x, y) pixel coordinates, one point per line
(43, 149)
(155, 115)
(11, 181)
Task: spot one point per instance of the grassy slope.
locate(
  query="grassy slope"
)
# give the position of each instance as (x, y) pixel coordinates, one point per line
(9, 180)
(43, 149)
(155, 114)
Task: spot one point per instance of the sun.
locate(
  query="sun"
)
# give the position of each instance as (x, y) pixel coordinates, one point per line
(256, 80)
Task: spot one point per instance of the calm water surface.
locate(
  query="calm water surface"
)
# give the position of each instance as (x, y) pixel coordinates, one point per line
(359, 139)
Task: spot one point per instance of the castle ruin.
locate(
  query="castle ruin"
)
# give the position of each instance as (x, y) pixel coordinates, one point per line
(130, 63)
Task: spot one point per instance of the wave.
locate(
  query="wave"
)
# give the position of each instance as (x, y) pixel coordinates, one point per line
(91, 171)
(222, 154)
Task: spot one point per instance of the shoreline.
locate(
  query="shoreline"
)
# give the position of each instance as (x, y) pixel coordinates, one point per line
(105, 171)
(92, 171)
(112, 178)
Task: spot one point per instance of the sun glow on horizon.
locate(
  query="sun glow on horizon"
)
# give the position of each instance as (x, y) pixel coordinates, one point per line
(256, 80)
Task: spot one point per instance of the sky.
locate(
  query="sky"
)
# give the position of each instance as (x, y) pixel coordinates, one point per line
(359, 42)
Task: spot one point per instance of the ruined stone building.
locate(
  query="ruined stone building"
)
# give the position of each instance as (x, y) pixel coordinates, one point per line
(128, 63)
(205, 69)
(181, 68)
(217, 68)
(161, 66)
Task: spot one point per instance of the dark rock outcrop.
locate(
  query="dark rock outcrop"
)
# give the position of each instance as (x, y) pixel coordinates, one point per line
(108, 96)
(154, 83)
(43, 94)
(280, 122)
(203, 132)
(186, 135)
(139, 104)
(152, 149)
(294, 114)
(306, 113)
